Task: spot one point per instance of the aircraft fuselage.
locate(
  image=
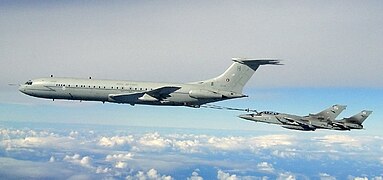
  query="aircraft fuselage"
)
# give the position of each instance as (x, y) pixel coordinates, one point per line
(101, 90)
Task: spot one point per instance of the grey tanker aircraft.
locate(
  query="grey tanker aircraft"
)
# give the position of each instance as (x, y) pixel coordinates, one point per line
(322, 120)
(229, 85)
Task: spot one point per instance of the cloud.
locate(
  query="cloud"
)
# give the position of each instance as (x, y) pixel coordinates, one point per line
(343, 140)
(195, 176)
(286, 176)
(121, 165)
(225, 176)
(134, 154)
(119, 157)
(52, 159)
(152, 174)
(115, 140)
(77, 159)
(288, 153)
(154, 141)
(265, 167)
(325, 176)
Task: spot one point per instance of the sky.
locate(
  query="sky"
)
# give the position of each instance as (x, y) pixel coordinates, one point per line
(330, 50)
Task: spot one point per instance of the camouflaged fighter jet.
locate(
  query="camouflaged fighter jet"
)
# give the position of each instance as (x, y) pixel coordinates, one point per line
(322, 120)
(353, 122)
(229, 85)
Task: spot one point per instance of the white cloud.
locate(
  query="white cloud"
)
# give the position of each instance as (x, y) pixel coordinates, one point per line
(119, 157)
(121, 165)
(288, 153)
(343, 140)
(77, 159)
(195, 175)
(325, 176)
(187, 146)
(360, 178)
(101, 170)
(225, 176)
(115, 140)
(152, 174)
(265, 167)
(154, 141)
(286, 176)
(52, 159)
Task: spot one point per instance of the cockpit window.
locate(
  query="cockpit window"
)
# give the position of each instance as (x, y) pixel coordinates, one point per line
(269, 112)
(29, 82)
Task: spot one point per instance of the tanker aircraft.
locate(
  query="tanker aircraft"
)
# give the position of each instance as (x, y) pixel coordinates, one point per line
(311, 122)
(228, 85)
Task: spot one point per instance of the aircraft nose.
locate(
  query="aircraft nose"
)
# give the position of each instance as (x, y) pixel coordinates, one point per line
(22, 89)
(245, 116)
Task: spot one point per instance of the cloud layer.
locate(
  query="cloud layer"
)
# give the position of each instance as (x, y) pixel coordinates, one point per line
(164, 155)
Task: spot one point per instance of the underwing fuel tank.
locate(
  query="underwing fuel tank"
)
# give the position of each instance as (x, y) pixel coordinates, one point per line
(204, 94)
(297, 128)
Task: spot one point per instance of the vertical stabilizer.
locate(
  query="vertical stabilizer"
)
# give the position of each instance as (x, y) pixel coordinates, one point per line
(357, 118)
(237, 75)
(332, 112)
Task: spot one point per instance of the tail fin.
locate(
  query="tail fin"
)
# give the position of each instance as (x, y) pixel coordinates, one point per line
(237, 75)
(332, 112)
(358, 118)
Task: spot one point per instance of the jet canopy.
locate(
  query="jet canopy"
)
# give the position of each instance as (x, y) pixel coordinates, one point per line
(269, 113)
(28, 82)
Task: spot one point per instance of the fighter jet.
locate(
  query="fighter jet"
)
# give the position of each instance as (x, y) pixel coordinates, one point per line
(310, 122)
(353, 122)
(229, 85)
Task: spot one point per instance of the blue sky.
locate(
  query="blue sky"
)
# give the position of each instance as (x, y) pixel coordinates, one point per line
(332, 54)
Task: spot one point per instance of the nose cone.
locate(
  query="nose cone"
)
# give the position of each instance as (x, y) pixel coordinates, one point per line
(22, 89)
(246, 116)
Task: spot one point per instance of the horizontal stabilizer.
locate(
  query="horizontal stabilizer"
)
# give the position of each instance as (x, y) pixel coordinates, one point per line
(255, 63)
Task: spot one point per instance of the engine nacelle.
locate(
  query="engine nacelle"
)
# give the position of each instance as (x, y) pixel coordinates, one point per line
(204, 94)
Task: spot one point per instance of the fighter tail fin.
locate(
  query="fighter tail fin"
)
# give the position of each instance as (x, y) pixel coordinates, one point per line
(332, 112)
(238, 74)
(358, 118)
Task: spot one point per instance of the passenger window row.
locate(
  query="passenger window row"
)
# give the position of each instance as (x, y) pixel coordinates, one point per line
(103, 87)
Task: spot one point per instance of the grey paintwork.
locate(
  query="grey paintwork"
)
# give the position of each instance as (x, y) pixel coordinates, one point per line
(229, 85)
(353, 122)
(322, 120)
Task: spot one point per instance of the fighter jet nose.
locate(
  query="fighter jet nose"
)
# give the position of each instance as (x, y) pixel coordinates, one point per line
(245, 116)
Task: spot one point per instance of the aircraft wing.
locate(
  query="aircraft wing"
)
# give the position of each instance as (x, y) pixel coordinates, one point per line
(151, 95)
(162, 92)
(300, 123)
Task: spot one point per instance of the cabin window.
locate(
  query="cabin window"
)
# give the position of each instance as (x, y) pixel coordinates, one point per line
(141, 89)
(135, 88)
(112, 87)
(104, 87)
(76, 85)
(122, 87)
(94, 86)
(116, 87)
(99, 87)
